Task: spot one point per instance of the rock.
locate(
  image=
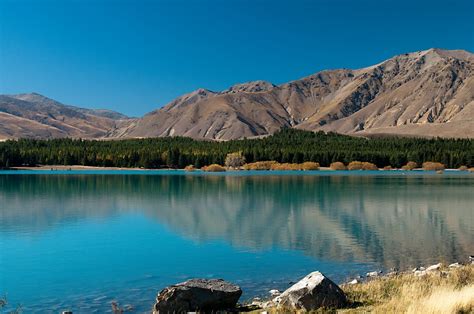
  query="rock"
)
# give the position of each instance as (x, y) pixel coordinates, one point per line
(353, 282)
(312, 292)
(197, 294)
(420, 273)
(274, 292)
(454, 265)
(373, 274)
(434, 267)
(418, 269)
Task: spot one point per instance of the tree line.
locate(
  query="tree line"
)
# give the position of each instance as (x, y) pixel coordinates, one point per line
(285, 146)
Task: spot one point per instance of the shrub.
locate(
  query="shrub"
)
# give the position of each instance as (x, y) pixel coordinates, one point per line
(309, 165)
(189, 168)
(286, 166)
(410, 165)
(432, 166)
(463, 168)
(234, 160)
(260, 165)
(337, 166)
(359, 165)
(213, 168)
(387, 168)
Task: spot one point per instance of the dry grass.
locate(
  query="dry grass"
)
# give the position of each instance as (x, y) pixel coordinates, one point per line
(410, 165)
(433, 166)
(309, 165)
(337, 166)
(213, 168)
(286, 166)
(260, 165)
(189, 168)
(360, 165)
(445, 291)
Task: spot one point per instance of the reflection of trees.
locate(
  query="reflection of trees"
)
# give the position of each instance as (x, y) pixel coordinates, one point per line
(398, 221)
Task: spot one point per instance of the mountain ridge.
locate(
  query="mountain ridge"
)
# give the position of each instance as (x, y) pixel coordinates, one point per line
(427, 93)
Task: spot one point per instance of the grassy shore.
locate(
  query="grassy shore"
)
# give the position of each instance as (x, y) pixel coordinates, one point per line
(447, 290)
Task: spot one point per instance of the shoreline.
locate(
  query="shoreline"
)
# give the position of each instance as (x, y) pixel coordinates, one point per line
(396, 291)
(99, 168)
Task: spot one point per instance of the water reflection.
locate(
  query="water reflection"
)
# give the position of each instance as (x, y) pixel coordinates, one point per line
(395, 221)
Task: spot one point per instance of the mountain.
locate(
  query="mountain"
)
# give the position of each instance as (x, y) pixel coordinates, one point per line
(35, 116)
(426, 93)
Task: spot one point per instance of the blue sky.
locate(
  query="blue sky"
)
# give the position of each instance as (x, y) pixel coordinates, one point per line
(135, 56)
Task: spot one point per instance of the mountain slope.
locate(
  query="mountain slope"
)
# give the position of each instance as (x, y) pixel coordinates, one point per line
(35, 116)
(426, 93)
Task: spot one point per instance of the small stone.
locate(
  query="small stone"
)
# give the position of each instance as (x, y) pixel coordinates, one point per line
(454, 265)
(420, 273)
(353, 282)
(373, 274)
(434, 267)
(274, 292)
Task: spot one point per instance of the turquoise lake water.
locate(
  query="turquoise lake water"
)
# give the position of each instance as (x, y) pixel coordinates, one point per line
(79, 239)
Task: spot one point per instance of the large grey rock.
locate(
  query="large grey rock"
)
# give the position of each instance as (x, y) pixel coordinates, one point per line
(197, 294)
(312, 292)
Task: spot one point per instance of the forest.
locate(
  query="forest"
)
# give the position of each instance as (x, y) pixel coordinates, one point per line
(285, 146)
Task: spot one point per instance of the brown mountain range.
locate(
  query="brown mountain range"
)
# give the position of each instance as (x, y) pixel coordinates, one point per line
(426, 93)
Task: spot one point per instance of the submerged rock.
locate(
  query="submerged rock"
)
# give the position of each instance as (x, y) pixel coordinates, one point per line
(198, 294)
(312, 292)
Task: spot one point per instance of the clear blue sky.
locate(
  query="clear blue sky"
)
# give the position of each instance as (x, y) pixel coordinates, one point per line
(135, 56)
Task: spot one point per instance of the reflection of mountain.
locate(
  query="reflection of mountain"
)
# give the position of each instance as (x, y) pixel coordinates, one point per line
(398, 221)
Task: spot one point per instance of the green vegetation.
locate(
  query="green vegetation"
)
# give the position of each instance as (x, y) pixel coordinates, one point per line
(286, 146)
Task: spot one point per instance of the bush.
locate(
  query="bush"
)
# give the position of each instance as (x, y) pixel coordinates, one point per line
(432, 166)
(359, 165)
(286, 166)
(463, 168)
(387, 168)
(337, 166)
(410, 165)
(189, 168)
(213, 168)
(260, 165)
(309, 165)
(235, 160)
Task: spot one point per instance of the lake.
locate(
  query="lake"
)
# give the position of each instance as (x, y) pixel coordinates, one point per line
(80, 239)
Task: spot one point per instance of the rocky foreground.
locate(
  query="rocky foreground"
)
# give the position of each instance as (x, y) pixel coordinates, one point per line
(434, 289)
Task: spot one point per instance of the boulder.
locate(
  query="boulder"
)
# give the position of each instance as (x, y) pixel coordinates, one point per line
(197, 295)
(312, 292)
